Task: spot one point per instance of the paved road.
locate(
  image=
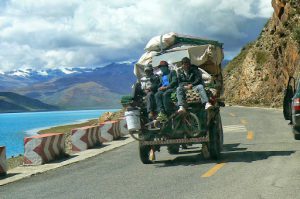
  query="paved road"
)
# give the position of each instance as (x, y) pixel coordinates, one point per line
(260, 160)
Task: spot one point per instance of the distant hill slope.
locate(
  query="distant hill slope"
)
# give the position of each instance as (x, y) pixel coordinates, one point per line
(84, 95)
(259, 74)
(118, 78)
(12, 102)
(93, 88)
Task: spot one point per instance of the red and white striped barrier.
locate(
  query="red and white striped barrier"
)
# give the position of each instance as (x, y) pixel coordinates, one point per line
(3, 165)
(110, 130)
(85, 137)
(123, 126)
(43, 148)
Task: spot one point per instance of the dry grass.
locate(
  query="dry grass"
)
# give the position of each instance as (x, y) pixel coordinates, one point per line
(261, 57)
(238, 60)
(296, 34)
(15, 161)
(68, 128)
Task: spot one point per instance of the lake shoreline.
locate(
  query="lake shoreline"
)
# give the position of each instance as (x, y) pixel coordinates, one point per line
(15, 127)
(37, 131)
(57, 110)
(13, 162)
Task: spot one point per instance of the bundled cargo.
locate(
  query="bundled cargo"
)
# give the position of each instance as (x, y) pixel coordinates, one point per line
(171, 47)
(161, 42)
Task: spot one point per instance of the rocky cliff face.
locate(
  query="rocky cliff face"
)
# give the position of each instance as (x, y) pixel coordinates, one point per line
(259, 74)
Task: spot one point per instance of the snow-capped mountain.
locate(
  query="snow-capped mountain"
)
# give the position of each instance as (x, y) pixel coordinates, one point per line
(62, 87)
(49, 73)
(26, 77)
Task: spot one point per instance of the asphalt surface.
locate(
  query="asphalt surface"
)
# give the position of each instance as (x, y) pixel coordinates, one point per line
(260, 160)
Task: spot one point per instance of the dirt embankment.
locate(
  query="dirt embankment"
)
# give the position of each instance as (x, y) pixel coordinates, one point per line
(259, 74)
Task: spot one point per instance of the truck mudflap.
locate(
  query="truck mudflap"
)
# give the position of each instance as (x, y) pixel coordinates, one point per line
(176, 141)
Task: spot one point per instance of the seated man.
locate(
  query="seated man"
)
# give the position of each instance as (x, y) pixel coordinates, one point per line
(189, 77)
(163, 95)
(149, 85)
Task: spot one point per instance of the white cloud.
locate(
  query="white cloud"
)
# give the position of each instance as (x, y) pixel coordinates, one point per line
(45, 34)
(265, 9)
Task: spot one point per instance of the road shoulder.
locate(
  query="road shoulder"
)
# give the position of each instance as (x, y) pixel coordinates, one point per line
(22, 172)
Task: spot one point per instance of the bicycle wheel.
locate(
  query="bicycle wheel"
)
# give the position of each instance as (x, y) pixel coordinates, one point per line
(190, 123)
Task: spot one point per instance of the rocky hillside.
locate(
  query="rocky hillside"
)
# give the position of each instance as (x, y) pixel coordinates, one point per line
(259, 74)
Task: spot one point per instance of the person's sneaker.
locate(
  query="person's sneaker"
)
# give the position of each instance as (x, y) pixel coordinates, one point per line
(181, 109)
(162, 117)
(151, 115)
(208, 106)
(184, 146)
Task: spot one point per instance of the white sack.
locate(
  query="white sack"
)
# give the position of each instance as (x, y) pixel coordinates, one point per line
(167, 41)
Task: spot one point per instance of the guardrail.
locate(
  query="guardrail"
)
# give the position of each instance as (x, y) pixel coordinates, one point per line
(85, 137)
(40, 149)
(90, 136)
(123, 126)
(3, 163)
(110, 130)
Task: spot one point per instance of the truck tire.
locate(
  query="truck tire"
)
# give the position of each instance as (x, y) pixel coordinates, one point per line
(204, 151)
(296, 132)
(221, 133)
(215, 137)
(144, 152)
(173, 149)
(297, 136)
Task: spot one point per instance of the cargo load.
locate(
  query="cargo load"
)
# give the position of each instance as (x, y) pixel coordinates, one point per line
(171, 47)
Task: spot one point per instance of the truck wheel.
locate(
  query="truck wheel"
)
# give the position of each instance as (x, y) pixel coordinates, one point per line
(215, 137)
(205, 152)
(173, 149)
(221, 133)
(145, 154)
(297, 136)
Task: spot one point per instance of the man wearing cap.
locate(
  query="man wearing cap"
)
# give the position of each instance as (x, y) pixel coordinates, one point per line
(149, 85)
(189, 77)
(167, 87)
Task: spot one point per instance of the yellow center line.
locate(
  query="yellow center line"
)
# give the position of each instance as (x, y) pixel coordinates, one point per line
(250, 135)
(244, 121)
(232, 114)
(213, 170)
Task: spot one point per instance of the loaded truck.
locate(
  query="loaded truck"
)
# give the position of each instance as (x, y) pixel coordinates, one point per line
(194, 126)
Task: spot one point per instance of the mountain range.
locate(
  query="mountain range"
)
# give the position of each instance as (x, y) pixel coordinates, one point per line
(73, 88)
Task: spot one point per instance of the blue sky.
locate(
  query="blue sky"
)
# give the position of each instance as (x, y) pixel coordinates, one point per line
(88, 33)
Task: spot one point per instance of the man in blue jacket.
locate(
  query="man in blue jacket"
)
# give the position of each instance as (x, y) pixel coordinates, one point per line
(167, 87)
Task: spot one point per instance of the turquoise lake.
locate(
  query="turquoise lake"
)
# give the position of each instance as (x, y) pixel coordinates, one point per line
(15, 126)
